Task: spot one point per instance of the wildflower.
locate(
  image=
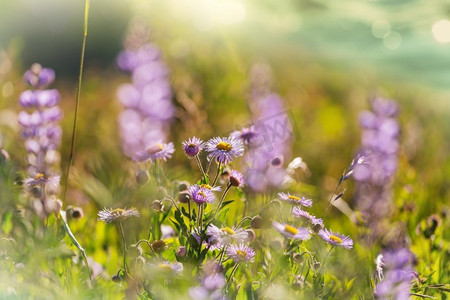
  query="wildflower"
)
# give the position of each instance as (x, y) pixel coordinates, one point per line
(297, 212)
(249, 136)
(295, 200)
(211, 288)
(289, 231)
(396, 281)
(201, 194)
(118, 214)
(39, 77)
(147, 101)
(236, 179)
(224, 150)
(192, 146)
(181, 252)
(168, 268)
(226, 235)
(155, 151)
(336, 239)
(241, 253)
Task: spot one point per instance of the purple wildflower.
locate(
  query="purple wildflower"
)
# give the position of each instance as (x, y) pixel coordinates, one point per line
(226, 235)
(292, 232)
(192, 146)
(201, 195)
(295, 200)
(396, 273)
(42, 133)
(249, 136)
(297, 212)
(224, 150)
(156, 151)
(148, 107)
(336, 239)
(118, 214)
(241, 253)
(39, 77)
(236, 179)
(377, 162)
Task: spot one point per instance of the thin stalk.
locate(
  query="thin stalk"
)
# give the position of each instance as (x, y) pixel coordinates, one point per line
(221, 200)
(124, 249)
(200, 165)
(325, 259)
(209, 165)
(221, 255)
(232, 273)
(77, 101)
(330, 201)
(217, 174)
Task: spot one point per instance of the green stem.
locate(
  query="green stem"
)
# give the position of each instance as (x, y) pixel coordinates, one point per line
(221, 200)
(232, 274)
(200, 165)
(77, 101)
(217, 174)
(124, 249)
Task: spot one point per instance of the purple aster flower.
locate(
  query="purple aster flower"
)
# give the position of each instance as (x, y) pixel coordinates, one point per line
(39, 77)
(336, 239)
(297, 212)
(226, 235)
(295, 200)
(249, 136)
(395, 274)
(236, 179)
(241, 253)
(292, 232)
(224, 150)
(192, 146)
(156, 151)
(201, 194)
(118, 214)
(212, 242)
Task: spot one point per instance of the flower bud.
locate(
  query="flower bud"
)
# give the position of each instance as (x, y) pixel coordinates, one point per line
(250, 235)
(183, 185)
(184, 197)
(181, 251)
(157, 205)
(158, 246)
(142, 176)
(257, 222)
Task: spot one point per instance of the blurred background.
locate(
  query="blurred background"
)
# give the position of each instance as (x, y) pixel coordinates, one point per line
(327, 59)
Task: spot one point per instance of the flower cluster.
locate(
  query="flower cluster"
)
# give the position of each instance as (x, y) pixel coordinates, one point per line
(377, 161)
(270, 139)
(395, 274)
(42, 133)
(147, 100)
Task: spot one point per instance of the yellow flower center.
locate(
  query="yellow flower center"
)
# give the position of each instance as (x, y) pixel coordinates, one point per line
(296, 199)
(201, 194)
(155, 148)
(228, 230)
(206, 186)
(290, 229)
(223, 146)
(241, 254)
(39, 176)
(335, 239)
(165, 267)
(117, 211)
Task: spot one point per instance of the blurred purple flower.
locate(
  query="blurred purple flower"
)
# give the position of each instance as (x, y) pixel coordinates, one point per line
(147, 100)
(396, 274)
(192, 146)
(39, 77)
